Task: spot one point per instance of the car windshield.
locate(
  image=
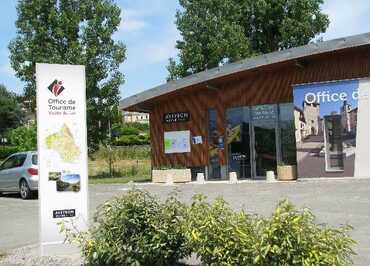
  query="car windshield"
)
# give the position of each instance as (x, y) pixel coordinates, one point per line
(34, 159)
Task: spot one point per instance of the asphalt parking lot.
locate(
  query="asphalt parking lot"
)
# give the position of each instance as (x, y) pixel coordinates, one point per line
(333, 201)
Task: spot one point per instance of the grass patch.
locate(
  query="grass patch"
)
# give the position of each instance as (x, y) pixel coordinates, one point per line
(124, 172)
(117, 180)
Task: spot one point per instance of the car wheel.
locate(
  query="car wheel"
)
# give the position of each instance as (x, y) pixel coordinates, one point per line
(24, 190)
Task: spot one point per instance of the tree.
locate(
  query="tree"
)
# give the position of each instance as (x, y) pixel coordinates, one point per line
(10, 110)
(211, 35)
(220, 31)
(72, 32)
(24, 138)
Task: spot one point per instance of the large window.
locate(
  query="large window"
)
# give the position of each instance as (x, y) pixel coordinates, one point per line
(258, 138)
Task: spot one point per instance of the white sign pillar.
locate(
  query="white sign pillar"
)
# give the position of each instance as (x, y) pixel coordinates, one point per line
(62, 152)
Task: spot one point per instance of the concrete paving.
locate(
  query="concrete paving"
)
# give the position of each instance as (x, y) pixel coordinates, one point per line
(335, 201)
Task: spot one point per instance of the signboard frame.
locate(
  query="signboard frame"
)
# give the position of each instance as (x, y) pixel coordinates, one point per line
(177, 142)
(62, 153)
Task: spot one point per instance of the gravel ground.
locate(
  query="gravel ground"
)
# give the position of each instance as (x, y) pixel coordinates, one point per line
(30, 255)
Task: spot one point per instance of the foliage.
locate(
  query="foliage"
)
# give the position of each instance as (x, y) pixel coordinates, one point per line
(6, 151)
(130, 134)
(128, 140)
(135, 229)
(109, 155)
(210, 34)
(218, 234)
(292, 237)
(215, 32)
(73, 32)
(127, 163)
(24, 138)
(10, 110)
(135, 171)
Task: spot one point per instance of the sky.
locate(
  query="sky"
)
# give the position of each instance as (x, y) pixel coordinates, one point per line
(150, 35)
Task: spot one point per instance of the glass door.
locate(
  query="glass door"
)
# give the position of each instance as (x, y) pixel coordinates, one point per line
(264, 118)
(238, 141)
(265, 147)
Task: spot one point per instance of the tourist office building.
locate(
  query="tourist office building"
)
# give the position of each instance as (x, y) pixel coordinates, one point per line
(307, 106)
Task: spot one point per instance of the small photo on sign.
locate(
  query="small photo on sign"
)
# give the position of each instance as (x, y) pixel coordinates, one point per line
(69, 183)
(55, 176)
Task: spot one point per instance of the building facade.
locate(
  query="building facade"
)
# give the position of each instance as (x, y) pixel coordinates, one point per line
(135, 117)
(241, 117)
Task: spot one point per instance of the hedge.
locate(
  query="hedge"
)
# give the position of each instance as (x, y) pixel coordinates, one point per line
(139, 229)
(6, 151)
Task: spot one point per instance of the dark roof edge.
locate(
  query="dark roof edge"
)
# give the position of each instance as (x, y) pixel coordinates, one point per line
(247, 64)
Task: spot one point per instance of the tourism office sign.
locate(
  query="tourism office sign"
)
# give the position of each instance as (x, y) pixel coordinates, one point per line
(62, 152)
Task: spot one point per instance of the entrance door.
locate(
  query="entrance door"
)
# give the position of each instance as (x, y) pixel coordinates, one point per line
(252, 140)
(264, 120)
(265, 147)
(238, 141)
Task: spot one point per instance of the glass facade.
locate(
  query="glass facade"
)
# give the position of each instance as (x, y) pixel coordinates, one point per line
(257, 139)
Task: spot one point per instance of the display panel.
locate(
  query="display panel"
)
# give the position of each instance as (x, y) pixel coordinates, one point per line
(176, 142)
(326, 127)
(62, 152)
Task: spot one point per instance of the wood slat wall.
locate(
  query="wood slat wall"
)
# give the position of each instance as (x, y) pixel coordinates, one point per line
(272, 85)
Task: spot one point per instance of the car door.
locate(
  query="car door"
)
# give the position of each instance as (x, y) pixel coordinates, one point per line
(16, 171)
(5, 179)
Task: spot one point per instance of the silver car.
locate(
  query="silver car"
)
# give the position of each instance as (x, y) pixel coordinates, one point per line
(19, 173)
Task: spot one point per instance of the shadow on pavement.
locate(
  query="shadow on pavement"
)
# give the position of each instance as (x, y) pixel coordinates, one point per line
(12, 195)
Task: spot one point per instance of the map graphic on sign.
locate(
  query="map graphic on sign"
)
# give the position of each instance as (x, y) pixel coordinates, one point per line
(176, 142)
(64, 144)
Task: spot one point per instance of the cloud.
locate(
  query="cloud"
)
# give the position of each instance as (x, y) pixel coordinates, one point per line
(133, 21)
(154, 50)
(346, 18)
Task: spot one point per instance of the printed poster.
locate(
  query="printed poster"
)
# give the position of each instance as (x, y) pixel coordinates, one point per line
(62, 151)
(176, 142)
(327, 128)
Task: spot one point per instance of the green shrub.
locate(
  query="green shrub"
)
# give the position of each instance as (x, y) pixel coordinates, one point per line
(6, 151)
(135, 229)
(24, 138)
(127, 140)
(292, 237)
(222, 236)
(219, 235)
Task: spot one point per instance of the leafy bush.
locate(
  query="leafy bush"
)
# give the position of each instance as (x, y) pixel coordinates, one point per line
(127, 140)
(135, 229)
(130, 134)
(292, 237)
(129, 131)
(24, 138)
(6, 151)
(219, 235)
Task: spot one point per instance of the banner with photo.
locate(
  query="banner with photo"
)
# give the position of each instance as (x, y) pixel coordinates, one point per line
(328, 125)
